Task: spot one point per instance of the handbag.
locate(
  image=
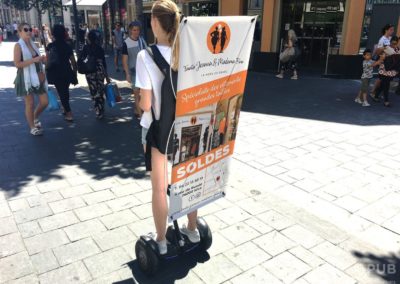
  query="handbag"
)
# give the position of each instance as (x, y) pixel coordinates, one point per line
(287, 54)
(53, 102)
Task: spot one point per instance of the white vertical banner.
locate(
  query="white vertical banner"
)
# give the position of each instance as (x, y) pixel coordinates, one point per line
(213, 62)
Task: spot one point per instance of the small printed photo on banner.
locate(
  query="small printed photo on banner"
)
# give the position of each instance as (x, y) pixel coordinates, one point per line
(199, 132)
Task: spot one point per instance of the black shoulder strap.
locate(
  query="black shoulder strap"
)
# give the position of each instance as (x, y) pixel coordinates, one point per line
(160, 61)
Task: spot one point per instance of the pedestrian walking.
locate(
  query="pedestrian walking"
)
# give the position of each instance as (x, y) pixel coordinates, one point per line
(288, 56)
(30, 78)
(149, 78)
(368, 68)
(46, 35)
(95, 79)
(118, 40)
(130, 49)
(386, 73)
(61, 68)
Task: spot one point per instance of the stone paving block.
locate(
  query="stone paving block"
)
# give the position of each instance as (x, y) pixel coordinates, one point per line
(209, 209)
(92, 211)
(58, 221)
(4, 210)
(191, 278)
(123, 203)
(45, 241)
(232, 215)
(308, 185)
(75, 191)
(144, 196)
(97, 197)
(114, 238)
(73, 273)
(306, 256)
(275, 220)
(380, 237)
(143, 211)
(381, 210)
(213, 222)
(7, 226)
(75, 251)
(32, 214)
(274, 170)
(274, 243)
(22, 192)
(239, 233)
(106, 183)
(84, 229)
(113, 277)
(256, 275)
(302, 236)
(30, 279)
(142, 227)
(107, 262)
(234, 195)
(127, 189)
(350, 203)
(286, 267)
(247, 255)
(217, 270)
(67, 204)
(43, 199)
(18, 204)
(11, 244)
(79, 180)
(52, 185)
(362, 274)
(119, 219)
(393, 224)
(253, 206)
(334, 255)
(328, 274)
(29, 229)
(15, 266)
(44, 261)
(219, 245)
(259, 226)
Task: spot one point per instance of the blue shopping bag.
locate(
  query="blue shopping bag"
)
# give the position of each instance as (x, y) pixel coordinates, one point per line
(111, 94)
(53, 102)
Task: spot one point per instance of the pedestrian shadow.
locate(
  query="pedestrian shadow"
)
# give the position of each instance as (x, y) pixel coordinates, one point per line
(99, 148)
(169, 271)
(386, 267)
(315, 98)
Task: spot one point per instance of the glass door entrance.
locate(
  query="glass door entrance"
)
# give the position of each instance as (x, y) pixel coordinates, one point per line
(318, 24)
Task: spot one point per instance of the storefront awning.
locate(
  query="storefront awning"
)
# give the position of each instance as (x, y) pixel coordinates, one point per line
(87, 4)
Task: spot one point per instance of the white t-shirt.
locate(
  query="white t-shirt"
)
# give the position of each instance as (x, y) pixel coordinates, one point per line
(384, 41)
(149, 77)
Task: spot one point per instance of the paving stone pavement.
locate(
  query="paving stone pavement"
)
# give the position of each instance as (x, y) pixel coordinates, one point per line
(313, 195)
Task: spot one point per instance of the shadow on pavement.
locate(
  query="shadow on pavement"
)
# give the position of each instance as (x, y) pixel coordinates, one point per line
(386, 267)
(314, 98)
(101, 148)
(169, 271)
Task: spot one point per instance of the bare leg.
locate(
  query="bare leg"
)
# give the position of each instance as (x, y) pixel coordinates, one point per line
(364, 97)
(29, 104)
(192, 224)
(159, 199)
(376, 86)
(43, 102)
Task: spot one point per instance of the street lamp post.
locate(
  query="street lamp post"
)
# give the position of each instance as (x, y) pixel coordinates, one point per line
(76, 23)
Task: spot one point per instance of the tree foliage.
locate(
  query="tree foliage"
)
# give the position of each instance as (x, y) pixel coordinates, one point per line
(40, 5)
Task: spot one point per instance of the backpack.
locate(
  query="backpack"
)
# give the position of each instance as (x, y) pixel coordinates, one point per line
(53, 60)
(160, 133)
(87, 62)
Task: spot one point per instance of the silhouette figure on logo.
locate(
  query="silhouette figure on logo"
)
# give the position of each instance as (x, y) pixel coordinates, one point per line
(214, 38)
(224, 38)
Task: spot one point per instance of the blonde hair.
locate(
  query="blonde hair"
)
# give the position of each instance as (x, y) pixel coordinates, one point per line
(168, 15)
(21, 26)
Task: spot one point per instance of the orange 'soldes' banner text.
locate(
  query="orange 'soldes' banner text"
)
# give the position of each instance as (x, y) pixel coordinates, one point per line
(213, 62)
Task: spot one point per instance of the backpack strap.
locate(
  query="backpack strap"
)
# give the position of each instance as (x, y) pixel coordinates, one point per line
(159, 60)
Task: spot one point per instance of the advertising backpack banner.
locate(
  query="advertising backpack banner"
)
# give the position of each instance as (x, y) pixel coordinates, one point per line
(213, 62)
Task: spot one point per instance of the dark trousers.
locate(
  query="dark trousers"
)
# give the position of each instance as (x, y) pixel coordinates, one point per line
(63, 93)
(384, 87)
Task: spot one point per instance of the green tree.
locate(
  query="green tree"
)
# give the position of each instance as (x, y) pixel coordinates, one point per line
(41, 7)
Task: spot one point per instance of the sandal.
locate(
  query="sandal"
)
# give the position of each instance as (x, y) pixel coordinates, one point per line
(374, 98)
(37, 123)
(387, 104)
(36, 131)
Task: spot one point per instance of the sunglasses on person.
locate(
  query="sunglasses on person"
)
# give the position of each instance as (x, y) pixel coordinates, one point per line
(27, 30)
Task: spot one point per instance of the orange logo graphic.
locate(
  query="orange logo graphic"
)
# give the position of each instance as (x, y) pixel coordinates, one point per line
(218, 37)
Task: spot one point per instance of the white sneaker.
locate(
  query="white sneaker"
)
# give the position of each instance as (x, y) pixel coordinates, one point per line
(357, 100)
(365, 104)
(280, 76)
(194, 236)
(162, 245)
(294, 77)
